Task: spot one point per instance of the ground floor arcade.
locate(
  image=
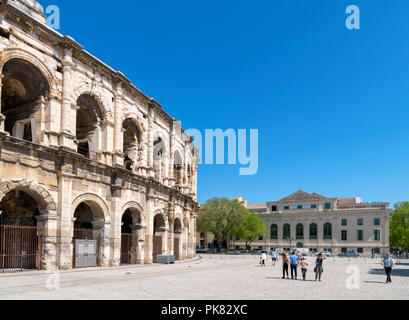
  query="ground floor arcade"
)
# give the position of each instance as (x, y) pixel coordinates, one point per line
(35, 234)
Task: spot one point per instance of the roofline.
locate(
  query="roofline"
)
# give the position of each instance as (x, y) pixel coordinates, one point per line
(65, 41)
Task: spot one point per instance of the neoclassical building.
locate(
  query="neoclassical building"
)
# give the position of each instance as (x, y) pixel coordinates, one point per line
(312, 221)
(92, 171)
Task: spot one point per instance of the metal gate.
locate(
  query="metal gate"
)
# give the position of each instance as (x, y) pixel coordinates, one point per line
(85, 253)
(86, 243)
(157, 247)
(129, 247)
(19, 248)
(176, 248)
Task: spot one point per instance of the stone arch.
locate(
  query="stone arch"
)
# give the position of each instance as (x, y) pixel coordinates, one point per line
(164, 141)
(17, 53)
(90, 90)
(179, 217)
(43, 198)
(132, 143)
(132, 115)
(163, 220)
(133, 205)
(96, 204)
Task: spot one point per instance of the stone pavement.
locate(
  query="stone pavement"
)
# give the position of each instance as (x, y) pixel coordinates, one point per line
(214, 278)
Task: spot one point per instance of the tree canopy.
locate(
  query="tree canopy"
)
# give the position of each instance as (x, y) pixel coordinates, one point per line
(399, 226)
(251, 229)
(221, 216)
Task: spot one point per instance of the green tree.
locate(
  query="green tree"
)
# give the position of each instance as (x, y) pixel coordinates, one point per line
(251, 229)
(399, 226)
(220, 216)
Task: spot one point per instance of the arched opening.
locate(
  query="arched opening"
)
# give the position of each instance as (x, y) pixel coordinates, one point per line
(20, 239)
(159, 235)
(24, 95)
(130, 236)
(159, 163)
(286, 232)
(313, 231)
(177, 232)
(178, 168)
(88, 121)
(88, 235)
(131, 143)
(300, 231)
(327, 231)
(274, 232)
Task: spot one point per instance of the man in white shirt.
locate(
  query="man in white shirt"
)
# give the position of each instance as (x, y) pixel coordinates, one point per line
(264, 258)
(274, 257)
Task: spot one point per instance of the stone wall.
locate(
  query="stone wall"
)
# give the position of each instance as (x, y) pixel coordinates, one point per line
(42, 153)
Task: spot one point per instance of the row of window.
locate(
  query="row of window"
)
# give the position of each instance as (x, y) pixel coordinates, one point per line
(360, 235)
(313, 235)
(360, 222)
(327, 206)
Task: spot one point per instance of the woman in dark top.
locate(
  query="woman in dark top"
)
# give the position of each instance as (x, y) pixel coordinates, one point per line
(285, 265)
(318, 267)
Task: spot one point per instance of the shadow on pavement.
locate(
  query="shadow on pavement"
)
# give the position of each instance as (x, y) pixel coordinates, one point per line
(395, 272)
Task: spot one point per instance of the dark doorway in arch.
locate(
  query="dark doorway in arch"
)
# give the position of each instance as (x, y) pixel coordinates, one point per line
(131, 143)
(159, 233)
(87, 239)
(20, 238)
(24, 93)
(88, 120)
(129, 239)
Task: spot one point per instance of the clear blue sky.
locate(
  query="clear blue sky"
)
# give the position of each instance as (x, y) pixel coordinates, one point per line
(331, 105)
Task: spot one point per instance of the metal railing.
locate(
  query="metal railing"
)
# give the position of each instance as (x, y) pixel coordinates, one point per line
(129, 247)
(20, 248)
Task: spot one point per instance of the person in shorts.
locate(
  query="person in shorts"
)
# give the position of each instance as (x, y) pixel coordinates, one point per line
(274, 257)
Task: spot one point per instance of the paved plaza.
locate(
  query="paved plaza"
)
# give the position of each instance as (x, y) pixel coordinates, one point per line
(212, 277)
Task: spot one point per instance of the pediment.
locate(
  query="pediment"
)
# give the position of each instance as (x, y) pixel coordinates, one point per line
(303, 196)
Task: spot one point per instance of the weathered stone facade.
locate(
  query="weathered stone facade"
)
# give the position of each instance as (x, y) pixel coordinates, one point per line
(87, 147)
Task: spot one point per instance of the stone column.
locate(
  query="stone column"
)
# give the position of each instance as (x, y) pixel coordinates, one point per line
(194, 235)
(151, 171)
(171, 242)
(66, 222)
(184, 239)
(116, 220)
(171, 180)
(67, 134)
(49, 225)
(148, 244)
(140, 255)
(2, 117)
(118, 159)
(103, 229)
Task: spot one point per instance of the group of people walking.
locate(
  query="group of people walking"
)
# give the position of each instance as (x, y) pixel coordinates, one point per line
(296, 260)
(293, 262)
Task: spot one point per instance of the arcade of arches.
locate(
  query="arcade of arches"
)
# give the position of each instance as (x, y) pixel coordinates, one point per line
(92, 171)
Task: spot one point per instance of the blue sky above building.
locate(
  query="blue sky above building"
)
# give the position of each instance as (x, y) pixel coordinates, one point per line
(331, 105)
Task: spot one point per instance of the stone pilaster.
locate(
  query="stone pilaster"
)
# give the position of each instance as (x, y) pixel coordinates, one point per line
(66, 222)
(118, 159)
(67, 134)
(103, 228)
(2, 117)
(49, 226)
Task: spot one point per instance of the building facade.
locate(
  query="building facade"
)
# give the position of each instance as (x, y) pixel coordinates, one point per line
(318, 223)
(85, 155)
